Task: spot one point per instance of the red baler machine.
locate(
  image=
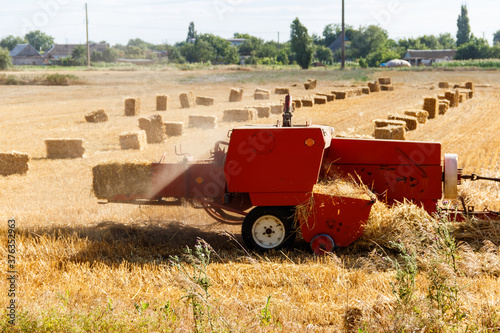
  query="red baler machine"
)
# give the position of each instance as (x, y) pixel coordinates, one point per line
(263, 173)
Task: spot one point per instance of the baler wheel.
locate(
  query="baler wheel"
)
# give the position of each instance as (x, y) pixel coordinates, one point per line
(322, 244)
(268, 228)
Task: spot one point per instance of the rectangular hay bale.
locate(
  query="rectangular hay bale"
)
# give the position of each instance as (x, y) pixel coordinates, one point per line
(411, 122)
(374, 86)
(153, 126)
(452, 96)
(443, 107)
(259, 95)
(263, 111)
(431, 106)
(384, 80)
(329, 97)
(202, 121)
(64, 148)
(133, 140)
(340, 94)
(444, 85)
(320, 100)
(236, 95)
(161, 102)
(307, 102)
(365, 91)
(387, 122)
(204, 100)
(281, 91)
(98, 116)
(187, 100)
(242, 114)
(173, 128)
(132, 107)
(386, 87)
(297, 103)
(276, 108)
(390, 133)
(421, 115)
(14, 163)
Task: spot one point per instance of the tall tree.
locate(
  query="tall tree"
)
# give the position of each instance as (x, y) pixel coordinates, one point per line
(191, 32)
(496, 37)
(301, 44)
(11, 42)
(463, 32)
(39, 40)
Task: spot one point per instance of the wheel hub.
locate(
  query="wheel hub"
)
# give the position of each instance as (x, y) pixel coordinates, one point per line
(268, 231)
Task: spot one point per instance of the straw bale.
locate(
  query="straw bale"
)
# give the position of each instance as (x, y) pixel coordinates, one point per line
(470, 85)
(374, 86)
(411, 122)
(98, 116)
(443, 107)
(384, 80)
(206, 101)
(161, 102)
(173, 128)
(452, 96)
(320, 99)
(349, 93)
(459, 86)
(431, 106)
(276, 108)
(470, 94)
(14, 163)
(342, 188)
(307, 85)
(421, 115)
(153, 125)
(462, 97)
(236, 95)
(386, 87)
(444, 85)
(187, 100)
(365, 90)
(242, 114)
(387, 122)
(263, 111)
(297, 103)
(202, 121)
(307, 102)
(114, 178)
(358, 91)
(132, 106)
(260, 90)
(281, 91)
(340, 94)
(261, 95)
(329, 97)
(390, 133)
(312, 83)
(441, 97)
(64, 148)
(133, 140)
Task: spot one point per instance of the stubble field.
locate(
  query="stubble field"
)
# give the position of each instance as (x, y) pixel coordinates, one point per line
(83, 266)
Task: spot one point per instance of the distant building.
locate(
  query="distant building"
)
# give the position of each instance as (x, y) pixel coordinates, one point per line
(236, 41)
(337, 43)
(428, 57)
(59, 51)
(25, 54)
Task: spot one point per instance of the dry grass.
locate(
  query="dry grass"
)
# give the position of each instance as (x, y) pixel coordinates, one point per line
(82, 266)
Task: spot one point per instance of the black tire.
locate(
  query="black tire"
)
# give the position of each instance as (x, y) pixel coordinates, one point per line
(268, 228)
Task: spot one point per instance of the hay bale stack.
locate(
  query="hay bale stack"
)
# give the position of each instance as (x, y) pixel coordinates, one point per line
(462, 97)
(236, 95)
(452, 96)
(161, 102)
(153, 126)
(340, 94)
(384, 80)
(281, 91)
(390, 133)
(297, 103)
(443, 106)
(365, 91)
(64, 148)
(242, 114)
(263, 111)
(204, 100)
(173, 128)
(444, 85)
(261, 94)
(411, 122)
(132, 107)
(441, 97)
(329, 97)
(312, 83)
(470, 85)
(124, 179)
(276, 108)
(202, 121)
(133, 140)
(14, 163)
(349, 93)
(374, 86)
(307, 102)
(320, 99)
(187, 100)
(431, 106)
(387, 122)
(98, 116)
(386, 87)
(421, 115)
(358, 91)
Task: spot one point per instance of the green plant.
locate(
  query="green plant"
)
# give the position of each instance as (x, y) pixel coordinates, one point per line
(196, 293)
(168, 312)
(141, 307)
(265, 313)
(5, 60)
(404, 286)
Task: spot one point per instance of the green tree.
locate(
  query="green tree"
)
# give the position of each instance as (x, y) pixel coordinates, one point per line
(79, 55)
(39, 40)
(463, 32)
(251, 44)
(374, 59)
(367, 40)
(135, 52)
(5, 60)
(324, 54)
(11, 42)
(137, 42)
(477, 48)
(282, 57)
(191, 32)
(496, 37)
(301, 44)
(447, 41)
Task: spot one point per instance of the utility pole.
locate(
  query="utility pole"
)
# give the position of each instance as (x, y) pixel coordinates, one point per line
(278, 39)
(87, 23)
(342, 66)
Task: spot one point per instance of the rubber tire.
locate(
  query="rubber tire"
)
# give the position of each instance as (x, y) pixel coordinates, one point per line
(284, 214)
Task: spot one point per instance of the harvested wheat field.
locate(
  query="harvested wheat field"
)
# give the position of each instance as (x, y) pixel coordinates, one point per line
(83, 266)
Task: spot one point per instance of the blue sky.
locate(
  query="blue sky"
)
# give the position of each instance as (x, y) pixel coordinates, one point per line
(156, 21)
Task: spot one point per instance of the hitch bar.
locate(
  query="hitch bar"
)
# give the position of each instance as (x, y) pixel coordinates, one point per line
(474, 177)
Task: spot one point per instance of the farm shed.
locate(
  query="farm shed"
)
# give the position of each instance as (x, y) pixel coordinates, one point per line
(428, 57)
(25, 54)
(59, 51)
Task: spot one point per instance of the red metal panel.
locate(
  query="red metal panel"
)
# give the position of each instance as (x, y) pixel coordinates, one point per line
(275, 159)
(279, 199)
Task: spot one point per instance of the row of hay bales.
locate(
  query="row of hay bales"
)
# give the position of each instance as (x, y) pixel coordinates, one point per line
(381, 84)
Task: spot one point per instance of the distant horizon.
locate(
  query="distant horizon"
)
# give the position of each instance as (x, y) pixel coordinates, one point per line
(157, 22)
